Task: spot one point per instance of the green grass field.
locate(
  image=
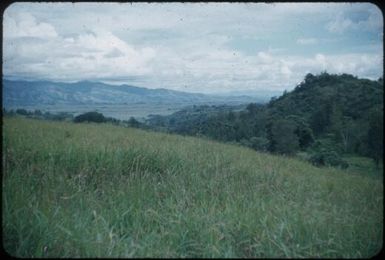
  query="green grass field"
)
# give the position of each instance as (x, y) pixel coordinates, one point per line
(88, 190)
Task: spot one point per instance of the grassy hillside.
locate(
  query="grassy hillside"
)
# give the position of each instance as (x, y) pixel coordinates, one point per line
(87, 190)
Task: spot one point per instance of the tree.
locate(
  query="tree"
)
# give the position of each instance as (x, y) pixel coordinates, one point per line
(252, 108)
(282, 136)
(323, 152)
(376, 135)
(320, 119)
(133, 122)
(259, 143)
(335, 119)
(22, 111)
(349, 134)
(90, 117)
(309, 78)
(37, 112)
(341, 127)
(303, 131)
(231, 116)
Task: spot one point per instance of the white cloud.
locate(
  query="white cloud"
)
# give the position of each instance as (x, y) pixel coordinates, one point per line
(264, 57)
(25, 25)
(91, 55)
(341, 23)
(359, 64)
(213, 71)
(375, 21)
(184, 46)
(320, 59)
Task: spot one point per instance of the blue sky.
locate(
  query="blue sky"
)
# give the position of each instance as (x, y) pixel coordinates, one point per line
(195, 47)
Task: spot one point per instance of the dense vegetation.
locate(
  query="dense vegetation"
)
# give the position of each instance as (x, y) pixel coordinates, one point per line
(90, 117)
(99, 190)
(326, 116)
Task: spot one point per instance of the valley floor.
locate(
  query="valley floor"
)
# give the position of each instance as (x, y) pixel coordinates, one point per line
(88, 190)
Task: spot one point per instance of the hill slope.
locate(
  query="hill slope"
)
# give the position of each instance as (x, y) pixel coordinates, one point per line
(336, 112)
(21, 93)
(105, 191)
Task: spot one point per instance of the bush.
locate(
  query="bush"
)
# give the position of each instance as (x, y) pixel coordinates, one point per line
(282, 136)
(90, 117)
(37, 112)
(133, 122)
(22, 111)
(259, 143)
(328, 158)
(324, 153)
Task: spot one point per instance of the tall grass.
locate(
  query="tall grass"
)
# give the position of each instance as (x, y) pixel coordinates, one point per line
(92, 190)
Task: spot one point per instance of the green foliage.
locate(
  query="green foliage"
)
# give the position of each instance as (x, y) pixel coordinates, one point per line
(323, 153)
(303, 131)
(85, 117)
(103, 191)
(282, 137)
(59, 116)
(319, 120)
(328, 158)
(133, 122)
(259, 143)
(37, 112)
(376, 134)
(22, 111)
(252, 108)
(338, 106)
(90, 117)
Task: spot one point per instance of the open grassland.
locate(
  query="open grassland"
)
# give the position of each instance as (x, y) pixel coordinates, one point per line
(92, 190)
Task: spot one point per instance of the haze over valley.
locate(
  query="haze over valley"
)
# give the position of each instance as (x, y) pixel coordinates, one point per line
(121, 102)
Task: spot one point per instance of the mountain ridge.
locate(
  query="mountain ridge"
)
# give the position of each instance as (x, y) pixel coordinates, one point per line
(19, 93)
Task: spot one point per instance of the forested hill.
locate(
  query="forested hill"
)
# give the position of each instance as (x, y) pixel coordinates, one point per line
(317, 96)
(325, 116)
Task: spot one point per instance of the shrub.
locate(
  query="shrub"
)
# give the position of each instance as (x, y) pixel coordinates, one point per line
(22, 111)
(90, 117)
(133, 122)
(282, 136)
(323, 154)
(328, 158)
(259, 143)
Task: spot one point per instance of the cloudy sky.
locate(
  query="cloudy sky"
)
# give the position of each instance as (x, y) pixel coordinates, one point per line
(201, 47)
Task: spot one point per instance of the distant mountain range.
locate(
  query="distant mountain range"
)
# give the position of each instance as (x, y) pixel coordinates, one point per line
(29, 93)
